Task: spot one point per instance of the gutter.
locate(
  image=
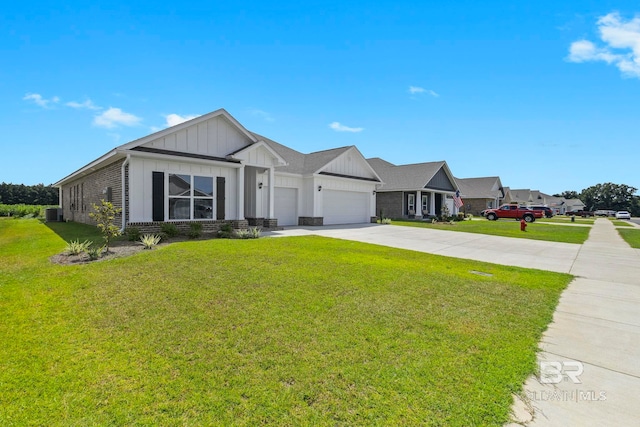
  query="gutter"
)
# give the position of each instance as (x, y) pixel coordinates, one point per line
(124, 192)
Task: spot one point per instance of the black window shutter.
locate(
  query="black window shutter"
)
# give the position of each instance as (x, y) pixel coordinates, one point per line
(220, 196)
(157, 196)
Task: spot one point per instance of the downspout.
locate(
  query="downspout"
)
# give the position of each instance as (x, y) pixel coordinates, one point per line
(124, 193)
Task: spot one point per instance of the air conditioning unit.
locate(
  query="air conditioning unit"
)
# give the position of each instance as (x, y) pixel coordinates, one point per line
(53, 214)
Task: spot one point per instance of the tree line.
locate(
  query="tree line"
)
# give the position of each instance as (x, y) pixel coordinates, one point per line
(617, 197)
(15, 194)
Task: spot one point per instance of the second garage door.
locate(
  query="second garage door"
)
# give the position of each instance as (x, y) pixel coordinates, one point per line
(345, 207)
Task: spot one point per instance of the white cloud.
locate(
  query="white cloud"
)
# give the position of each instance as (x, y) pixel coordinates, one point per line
(621, 45)
(342, 128)
(114, 117)
(88, 104)
(417, 90)
(39, 100)
(263, 114)
(176, 119)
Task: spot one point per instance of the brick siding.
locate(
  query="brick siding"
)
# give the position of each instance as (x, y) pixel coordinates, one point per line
(78, 196)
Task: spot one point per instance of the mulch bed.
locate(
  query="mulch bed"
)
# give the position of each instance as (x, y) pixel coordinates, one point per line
(117, 249)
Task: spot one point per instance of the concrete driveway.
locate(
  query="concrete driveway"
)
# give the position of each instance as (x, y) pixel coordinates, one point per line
(542, 255)
(590, 353)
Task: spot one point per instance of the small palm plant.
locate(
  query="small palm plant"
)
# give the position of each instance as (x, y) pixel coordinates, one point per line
(76, 247)
(149, 241)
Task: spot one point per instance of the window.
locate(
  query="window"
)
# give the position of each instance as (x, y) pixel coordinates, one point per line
(411, 202)
(190, 197)
(425, 203)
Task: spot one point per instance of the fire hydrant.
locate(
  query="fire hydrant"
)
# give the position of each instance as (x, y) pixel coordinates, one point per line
(523, 225)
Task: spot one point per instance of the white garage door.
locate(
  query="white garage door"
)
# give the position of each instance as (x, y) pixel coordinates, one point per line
(345, 207)
(286, 206)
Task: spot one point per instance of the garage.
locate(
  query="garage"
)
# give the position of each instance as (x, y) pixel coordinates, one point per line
(346, 207)
(286, 206)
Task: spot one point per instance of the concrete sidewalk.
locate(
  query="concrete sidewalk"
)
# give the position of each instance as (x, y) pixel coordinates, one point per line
(596, 326)
(596, 330)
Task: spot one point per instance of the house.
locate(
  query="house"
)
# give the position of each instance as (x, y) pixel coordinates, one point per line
(416, 190)
(480, 193)
(212, 170)
(527, 197)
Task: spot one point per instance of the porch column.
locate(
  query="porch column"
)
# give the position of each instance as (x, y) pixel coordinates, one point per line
(272, 193)
(432, 203)
(240, 193)
(419, 203)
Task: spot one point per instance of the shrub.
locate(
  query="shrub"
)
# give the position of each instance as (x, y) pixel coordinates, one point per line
(169, 229)
(75, 247)
(22, 210)
(385, 221)
(195, 230)
(133, 234)
(149, 241)
(93, 252)
(226, 231)
(251, 233)
(104, 214)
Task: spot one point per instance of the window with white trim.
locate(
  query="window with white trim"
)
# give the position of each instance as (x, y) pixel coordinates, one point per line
(411, 202)
(190, 197)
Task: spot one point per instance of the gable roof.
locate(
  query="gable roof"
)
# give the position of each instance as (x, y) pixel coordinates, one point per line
(415, 176)
(488, 187)
(308, 164)
(156, 135)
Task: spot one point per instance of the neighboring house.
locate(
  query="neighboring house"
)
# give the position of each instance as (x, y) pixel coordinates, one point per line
(417, 190)
(479, 194)
(212, 170)
(527, 197)
(572, 205)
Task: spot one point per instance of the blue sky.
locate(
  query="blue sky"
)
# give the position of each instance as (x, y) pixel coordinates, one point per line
(544, 94)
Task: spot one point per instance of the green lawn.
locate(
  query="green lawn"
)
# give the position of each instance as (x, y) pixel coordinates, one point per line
(621, 223)
(283, 331)
(631, 236)
(561, 219)
(510, 228)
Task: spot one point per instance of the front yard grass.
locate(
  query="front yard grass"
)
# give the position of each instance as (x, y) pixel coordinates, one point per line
(283, 331)
(561, 219)
(509, 228)
(631, 236)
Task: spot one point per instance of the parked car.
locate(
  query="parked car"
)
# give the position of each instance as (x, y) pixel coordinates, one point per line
(604, 212)
(514, 212)
(548, 212)
(623, 215)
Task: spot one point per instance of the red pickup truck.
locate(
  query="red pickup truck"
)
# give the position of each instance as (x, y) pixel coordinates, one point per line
(514, 212)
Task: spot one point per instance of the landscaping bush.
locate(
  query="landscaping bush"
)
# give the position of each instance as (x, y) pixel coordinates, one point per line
(75, 247)
(149, 241)
(251, 233)
(22, 210)
(133, 234)
(169, 229)
(226, 231)
(195, 230)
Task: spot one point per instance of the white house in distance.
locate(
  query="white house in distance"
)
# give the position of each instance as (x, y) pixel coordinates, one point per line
(212, 170)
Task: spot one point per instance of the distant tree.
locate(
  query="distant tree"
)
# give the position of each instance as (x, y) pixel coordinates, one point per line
(14, 194)
(609, 196)
(569, 194)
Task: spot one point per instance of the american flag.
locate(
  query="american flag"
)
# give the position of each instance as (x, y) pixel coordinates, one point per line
(457, 200)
